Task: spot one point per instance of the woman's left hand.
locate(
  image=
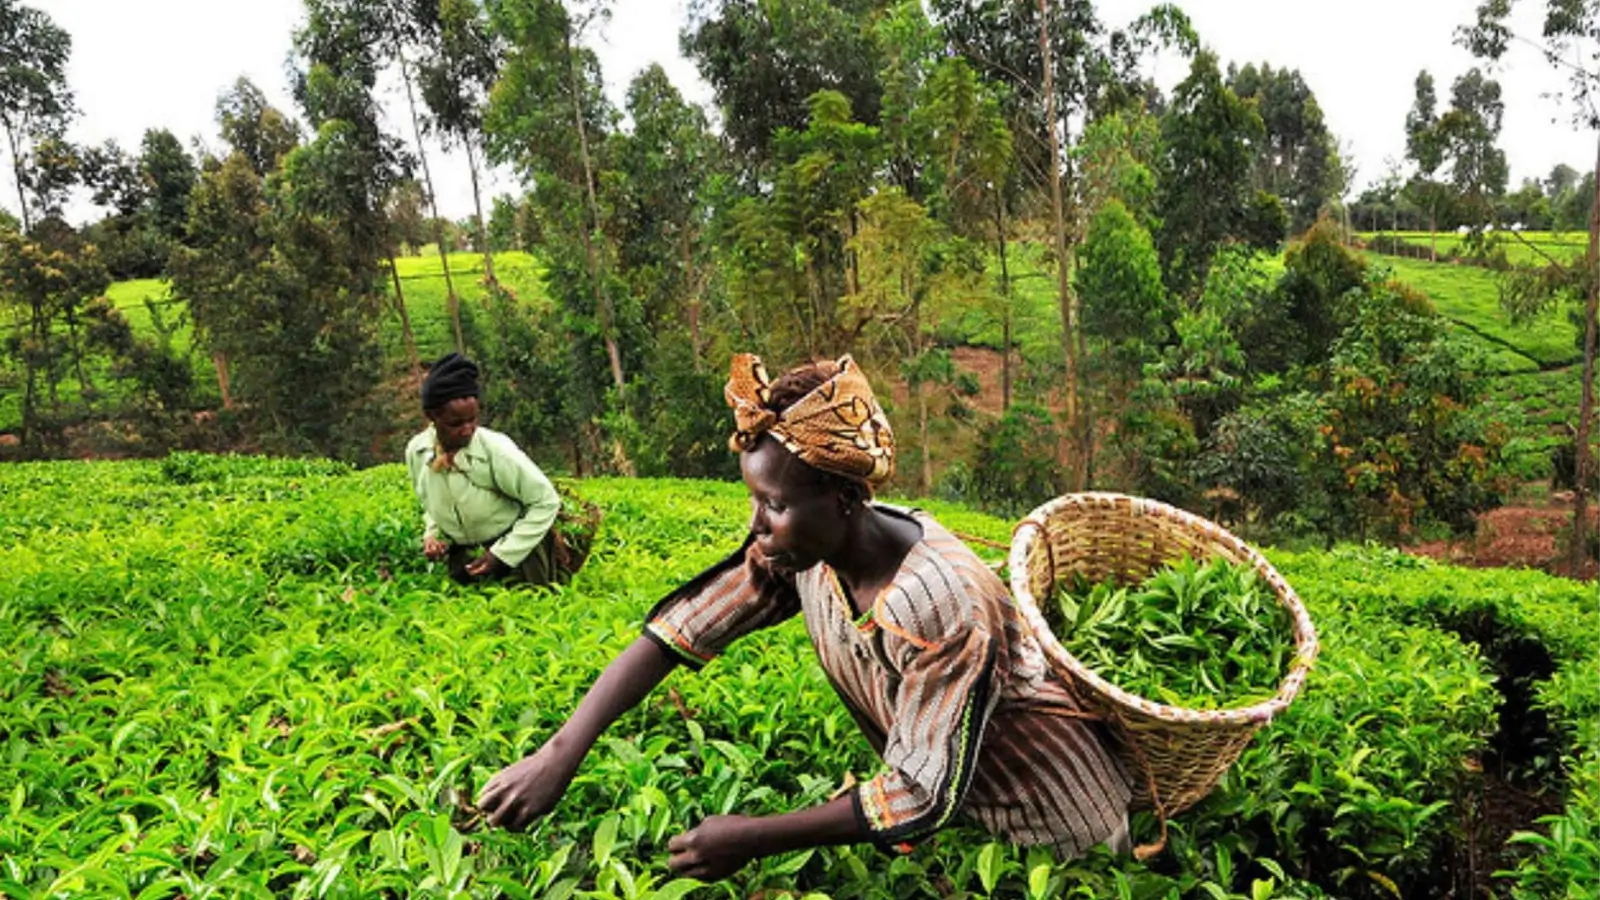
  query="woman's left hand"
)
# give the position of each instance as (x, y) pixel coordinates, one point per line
(716, 848)
(486, 564)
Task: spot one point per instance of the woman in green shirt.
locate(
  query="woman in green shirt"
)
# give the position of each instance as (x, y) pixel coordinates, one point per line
(486, 507)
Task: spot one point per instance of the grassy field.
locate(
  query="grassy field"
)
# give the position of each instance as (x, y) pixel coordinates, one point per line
(1534, 406)
(1530, 248)
(421, 279)
(1471, 296)
(427, 302)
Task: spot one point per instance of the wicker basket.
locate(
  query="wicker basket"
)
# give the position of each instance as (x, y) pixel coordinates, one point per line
(1178, 753)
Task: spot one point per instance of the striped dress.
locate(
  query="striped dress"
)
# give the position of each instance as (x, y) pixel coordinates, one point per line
(948, 685)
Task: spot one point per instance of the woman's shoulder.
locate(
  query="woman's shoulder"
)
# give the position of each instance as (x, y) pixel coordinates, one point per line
(419, 443)
(497, 442)
(941, 587)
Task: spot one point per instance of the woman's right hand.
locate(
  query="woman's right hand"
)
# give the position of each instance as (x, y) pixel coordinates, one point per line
(434, 549)
(530, 788)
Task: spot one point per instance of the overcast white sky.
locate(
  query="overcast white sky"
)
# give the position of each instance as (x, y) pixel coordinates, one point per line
(138, 64)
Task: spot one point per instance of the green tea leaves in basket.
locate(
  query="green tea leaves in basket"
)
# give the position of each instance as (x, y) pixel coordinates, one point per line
(1198, 635)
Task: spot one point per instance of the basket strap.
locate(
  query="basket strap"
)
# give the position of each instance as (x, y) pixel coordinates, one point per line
(975, 539)
(1146, 851)
(1067, 713)
(1044, 532)
(1039, 523)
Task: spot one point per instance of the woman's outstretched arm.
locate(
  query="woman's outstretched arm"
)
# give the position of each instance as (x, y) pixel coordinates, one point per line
(530, 788)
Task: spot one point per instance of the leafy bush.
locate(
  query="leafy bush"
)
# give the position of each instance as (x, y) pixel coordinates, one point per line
(1016, 469)
(246, 681)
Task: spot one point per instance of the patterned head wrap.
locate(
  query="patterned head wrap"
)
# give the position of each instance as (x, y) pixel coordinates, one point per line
(838, 427)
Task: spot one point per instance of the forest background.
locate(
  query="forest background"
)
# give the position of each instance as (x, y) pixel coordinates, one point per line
(1061, 276)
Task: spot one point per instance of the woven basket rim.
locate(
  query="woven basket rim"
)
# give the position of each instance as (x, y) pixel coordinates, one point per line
(1030, 529)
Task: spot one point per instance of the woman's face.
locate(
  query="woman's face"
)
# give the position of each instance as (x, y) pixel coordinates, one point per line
(796, 514)
(455, 423)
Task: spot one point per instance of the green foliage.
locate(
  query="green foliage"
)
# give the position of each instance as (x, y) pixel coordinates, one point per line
(172, 174)
(1320, 276)
(1196, 635)
(1258, 465)
(1516, 618)
(1119, 286)
(1471, 296)
(786, 255)
(1298, 160)
(1015, 469)
(765, 61)
(1403, 430)
(244, 670)
(49, 285)
(36, 102)
(1119, 153)
(296, 323)
(1468, 132)
(1206, 196)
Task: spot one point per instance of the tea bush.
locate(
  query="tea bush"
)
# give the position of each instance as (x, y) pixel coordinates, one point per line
(239, 678)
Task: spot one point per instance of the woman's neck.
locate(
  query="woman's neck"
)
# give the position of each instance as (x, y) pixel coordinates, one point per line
(875, 545)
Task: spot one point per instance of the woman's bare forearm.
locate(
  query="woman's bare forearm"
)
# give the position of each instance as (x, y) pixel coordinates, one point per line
(626, 681)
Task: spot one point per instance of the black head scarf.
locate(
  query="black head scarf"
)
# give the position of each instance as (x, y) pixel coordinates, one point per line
(451, 378)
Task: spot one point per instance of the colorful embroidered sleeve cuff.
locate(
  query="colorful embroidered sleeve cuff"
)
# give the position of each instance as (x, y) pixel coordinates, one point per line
(668, 639)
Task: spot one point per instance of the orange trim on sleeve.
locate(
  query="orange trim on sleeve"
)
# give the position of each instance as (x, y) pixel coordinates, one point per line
(901, 633)
(678, 640)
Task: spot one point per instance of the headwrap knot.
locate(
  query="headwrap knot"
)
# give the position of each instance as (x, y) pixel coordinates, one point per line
(837, 427)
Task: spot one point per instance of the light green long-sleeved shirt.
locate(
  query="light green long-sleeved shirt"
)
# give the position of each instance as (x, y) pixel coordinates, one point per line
(491, 487)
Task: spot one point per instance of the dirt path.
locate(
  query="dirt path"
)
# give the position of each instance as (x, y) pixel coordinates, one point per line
(1532, 537)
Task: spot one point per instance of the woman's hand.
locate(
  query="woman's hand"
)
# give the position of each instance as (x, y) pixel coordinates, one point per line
(528, 789)
(487, 564)
(434, 549)
(716, 848)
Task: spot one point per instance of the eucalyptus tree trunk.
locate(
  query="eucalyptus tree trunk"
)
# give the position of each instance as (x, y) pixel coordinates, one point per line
(433, 202)
(1591, 312)
(477, 203)
(1071, 456)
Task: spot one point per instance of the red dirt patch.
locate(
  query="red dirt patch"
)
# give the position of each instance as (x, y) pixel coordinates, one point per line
(1519, 537)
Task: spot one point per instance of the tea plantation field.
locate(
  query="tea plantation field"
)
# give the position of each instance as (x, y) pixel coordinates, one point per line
(154, 314)
(1528, 248)
(230, 677)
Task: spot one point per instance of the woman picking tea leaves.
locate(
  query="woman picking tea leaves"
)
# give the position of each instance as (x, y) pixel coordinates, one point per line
(920, 639)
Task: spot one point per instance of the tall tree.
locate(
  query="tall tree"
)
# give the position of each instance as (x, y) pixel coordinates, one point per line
(1064, 67)
(766, 58)
(254, 129)
(1206, 196)
(1562, 178)
(460, 62)
(1125, 308)
(35, 99)
(913, 274)
(332, 227)
(549, 118)
(115, 179)
(661, 206)
(48, 282)
(1571, 43)
(1298, 159)
(402, 28)
(225, 272)
(221, 273)
(171, 174)
(1469, 131)
(1425, 148)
